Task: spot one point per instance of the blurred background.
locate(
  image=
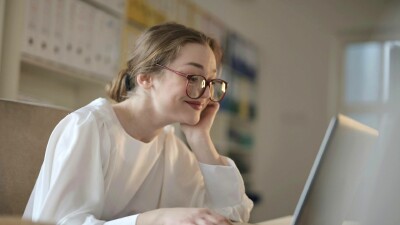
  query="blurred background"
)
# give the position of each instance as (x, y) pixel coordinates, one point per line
(291, 66)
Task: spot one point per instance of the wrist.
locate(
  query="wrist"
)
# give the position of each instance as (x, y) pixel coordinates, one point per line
(198, 139)
(206, 153)
(149, 217)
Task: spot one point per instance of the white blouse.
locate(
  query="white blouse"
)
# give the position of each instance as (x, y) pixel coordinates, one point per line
(95, 173)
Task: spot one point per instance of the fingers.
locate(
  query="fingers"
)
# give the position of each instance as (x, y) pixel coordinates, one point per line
(211, 103)
(212, 106)
(210, 111)
(208, 217)
(216, 220)
(190, 216)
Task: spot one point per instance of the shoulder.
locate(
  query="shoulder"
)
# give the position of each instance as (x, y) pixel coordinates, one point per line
(99, 109)
(89, 124)
(82, 131)
(95, 114)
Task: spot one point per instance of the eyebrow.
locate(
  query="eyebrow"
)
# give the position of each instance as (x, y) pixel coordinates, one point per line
(198, 66)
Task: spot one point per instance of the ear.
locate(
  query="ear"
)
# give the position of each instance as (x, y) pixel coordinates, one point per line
(144, 80)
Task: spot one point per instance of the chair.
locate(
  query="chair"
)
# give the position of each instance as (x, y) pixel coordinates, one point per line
(24, 131)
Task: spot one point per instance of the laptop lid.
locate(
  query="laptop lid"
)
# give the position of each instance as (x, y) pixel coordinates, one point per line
(335, 174)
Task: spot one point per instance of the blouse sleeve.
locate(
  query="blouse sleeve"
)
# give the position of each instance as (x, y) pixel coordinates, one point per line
(70, 186)
(226, 191)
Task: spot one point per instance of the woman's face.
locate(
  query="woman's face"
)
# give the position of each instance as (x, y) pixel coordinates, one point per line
(169, 90)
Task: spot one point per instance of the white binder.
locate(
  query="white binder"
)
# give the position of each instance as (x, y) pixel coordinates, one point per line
(79, 34)
(110, 47)
(58, 33)
(69, 42)
(45, 32)
(31, 30)
(87, 36)
(98, 40)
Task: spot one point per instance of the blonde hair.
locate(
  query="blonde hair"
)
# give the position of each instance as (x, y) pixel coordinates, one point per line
(159, 44)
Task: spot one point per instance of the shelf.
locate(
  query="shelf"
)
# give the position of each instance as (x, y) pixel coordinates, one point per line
(105, 8)
(62, 71)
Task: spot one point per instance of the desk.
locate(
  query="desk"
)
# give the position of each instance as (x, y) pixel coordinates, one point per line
(287, 220)
(7, 220)
(17, 221)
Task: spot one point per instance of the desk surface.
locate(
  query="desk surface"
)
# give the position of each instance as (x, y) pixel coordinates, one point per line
(6, 220)
(287, 220)
(17, 221)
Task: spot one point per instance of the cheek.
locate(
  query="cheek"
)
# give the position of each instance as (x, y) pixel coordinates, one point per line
(172, 94)
(169, 99)
(176, 91)
(174, 87)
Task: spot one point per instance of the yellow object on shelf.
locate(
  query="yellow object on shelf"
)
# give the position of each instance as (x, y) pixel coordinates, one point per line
(140, 11)
(130, 34)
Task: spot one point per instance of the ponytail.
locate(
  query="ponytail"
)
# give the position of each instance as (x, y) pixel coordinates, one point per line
(120, 86)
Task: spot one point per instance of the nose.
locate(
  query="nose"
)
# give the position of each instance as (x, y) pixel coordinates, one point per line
(207, 92)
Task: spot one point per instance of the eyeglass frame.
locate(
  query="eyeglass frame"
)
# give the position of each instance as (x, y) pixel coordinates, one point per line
(187, 76)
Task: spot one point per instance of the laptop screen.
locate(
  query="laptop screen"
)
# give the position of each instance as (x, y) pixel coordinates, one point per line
(337, 170)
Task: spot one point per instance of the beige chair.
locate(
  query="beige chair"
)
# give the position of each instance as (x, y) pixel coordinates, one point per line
(24, 131)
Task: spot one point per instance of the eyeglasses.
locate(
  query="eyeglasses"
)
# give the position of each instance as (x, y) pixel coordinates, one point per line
(196, 85)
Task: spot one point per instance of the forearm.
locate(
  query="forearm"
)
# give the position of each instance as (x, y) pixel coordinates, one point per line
(205, 151)
(180, 216)
(226, 191)
(149, 217)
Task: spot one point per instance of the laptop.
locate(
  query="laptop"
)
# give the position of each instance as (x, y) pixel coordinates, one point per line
(335, 175)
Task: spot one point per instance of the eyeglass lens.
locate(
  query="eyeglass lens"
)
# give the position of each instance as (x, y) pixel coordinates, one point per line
(197, 85)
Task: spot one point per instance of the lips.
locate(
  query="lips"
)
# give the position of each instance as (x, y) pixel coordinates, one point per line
(195, 105)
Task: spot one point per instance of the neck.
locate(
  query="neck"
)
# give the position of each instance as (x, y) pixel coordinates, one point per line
(138, 119)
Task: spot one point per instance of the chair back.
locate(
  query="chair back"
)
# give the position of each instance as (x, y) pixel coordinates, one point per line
(24, 131)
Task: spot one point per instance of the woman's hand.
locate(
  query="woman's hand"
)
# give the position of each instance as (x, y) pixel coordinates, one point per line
(182, 216)
(203, 127)
(198, 137)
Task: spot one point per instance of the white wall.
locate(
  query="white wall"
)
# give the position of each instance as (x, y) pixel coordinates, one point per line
(298, 82)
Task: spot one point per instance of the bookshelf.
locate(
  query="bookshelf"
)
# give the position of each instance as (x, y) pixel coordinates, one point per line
(47, 63)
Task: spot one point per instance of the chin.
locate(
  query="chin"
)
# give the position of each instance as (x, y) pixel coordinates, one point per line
(192, 121)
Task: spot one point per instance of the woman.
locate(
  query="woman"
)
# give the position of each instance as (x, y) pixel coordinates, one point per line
(119, 163)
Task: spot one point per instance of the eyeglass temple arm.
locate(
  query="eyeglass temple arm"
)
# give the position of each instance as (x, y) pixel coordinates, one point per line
(174, 71)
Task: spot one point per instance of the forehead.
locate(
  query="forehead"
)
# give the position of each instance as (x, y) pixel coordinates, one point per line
(196, 55)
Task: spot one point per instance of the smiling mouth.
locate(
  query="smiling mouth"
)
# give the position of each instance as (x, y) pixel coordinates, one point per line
(195, 105)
